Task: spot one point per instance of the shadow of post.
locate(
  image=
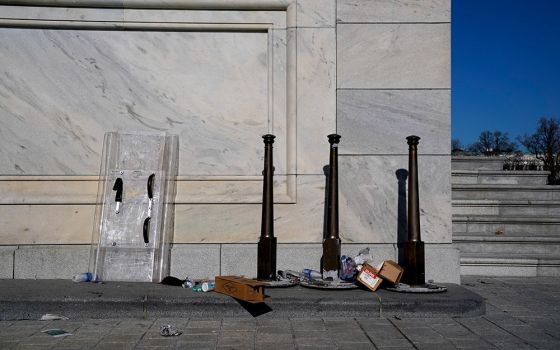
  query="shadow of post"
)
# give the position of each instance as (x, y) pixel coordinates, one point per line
(402, 221)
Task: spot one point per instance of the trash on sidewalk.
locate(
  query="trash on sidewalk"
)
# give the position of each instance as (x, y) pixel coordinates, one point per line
(173, 281)
(52, 317)
(391, 271)
(372, 277)
(57, 333)
(363, 257)
(188, 283)
(348, 269)
(240, 288)
(369, 277)
(168, 330)
(84, 277)
(207, 286)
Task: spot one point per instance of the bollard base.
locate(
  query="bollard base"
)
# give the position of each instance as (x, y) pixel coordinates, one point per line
(414, 263)
(330, 262)
(266, 260)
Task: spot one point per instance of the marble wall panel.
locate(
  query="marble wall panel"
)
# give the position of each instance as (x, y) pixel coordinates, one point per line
(393, 56)
(391, 11)
(373, 205)
(377, 121)
(316, 97)
(316, 13)
(241, 223)
(46, 224)
(60, 90)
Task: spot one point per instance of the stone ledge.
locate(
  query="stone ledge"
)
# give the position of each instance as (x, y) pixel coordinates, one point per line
(30, 299)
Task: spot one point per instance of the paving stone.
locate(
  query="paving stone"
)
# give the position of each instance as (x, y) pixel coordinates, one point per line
(355, 346)
(207, 324)
(274, 346)
(197, 346)
(188, 331)
(308, 325)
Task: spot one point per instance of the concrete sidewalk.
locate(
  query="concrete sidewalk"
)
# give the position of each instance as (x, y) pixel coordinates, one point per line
(522, 313)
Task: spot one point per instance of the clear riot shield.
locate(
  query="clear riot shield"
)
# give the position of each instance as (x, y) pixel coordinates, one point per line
(133, 226)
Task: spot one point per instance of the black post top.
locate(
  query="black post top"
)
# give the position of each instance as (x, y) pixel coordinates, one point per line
(334, 138)
(412, 140)
(268, 138)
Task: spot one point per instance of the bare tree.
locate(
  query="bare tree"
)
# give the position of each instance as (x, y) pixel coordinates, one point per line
(456, 146)
(544, 143)
(493, 143)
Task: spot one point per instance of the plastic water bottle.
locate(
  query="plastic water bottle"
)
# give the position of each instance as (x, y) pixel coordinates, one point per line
(207, 286)
(310, 274)
(83, 277)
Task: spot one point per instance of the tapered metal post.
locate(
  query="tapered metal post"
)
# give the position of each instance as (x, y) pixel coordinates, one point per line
(414, 248)
(266, 262)
(331, 243)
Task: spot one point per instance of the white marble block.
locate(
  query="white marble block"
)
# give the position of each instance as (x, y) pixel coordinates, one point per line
(393, 56)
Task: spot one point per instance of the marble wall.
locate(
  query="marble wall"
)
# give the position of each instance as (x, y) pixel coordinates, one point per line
(374, 71)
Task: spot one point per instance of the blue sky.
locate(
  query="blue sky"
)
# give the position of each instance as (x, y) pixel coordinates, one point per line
(505, 66)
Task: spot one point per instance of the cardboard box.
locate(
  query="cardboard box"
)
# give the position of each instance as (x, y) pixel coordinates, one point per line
(391, 271)
(240, 288)
(368, 277)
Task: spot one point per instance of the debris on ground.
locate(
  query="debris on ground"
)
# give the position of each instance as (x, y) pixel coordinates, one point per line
(241, 288)
(84, 277)
(52, 317)
(57, 333)
(168, 330)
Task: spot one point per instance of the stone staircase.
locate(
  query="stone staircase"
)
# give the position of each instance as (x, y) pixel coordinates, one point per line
(505, 223)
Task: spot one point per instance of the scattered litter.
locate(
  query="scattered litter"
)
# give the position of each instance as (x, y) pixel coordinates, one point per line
(364, 257)
(84, 277)
(172, 281)
(168, 330)
(397, 317)
(52, 317)
(369, 277)
(208, 286)
(288, 275)
(240, 288)
(197, 288)
(348, 269)
(57, 333)
(310, 274)
(188, 283)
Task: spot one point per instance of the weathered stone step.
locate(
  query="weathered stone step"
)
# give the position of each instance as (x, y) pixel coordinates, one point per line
(503, 177)
(505, 207)
(477, 163)
(505, 224)
(511, 244)
(527, 265)
(505, 192)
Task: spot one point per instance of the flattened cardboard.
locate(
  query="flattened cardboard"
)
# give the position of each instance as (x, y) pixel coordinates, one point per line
(240, 288)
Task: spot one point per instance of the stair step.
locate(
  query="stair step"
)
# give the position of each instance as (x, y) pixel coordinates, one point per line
(507, 244)
(505, 192)
(505, 207)
(526, 265)
(505, 224)
(477, 163)
(502, 177)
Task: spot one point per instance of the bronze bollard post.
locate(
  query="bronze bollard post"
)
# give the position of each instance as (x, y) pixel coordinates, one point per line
(331, 243)
(414, 248)
(266, 261)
